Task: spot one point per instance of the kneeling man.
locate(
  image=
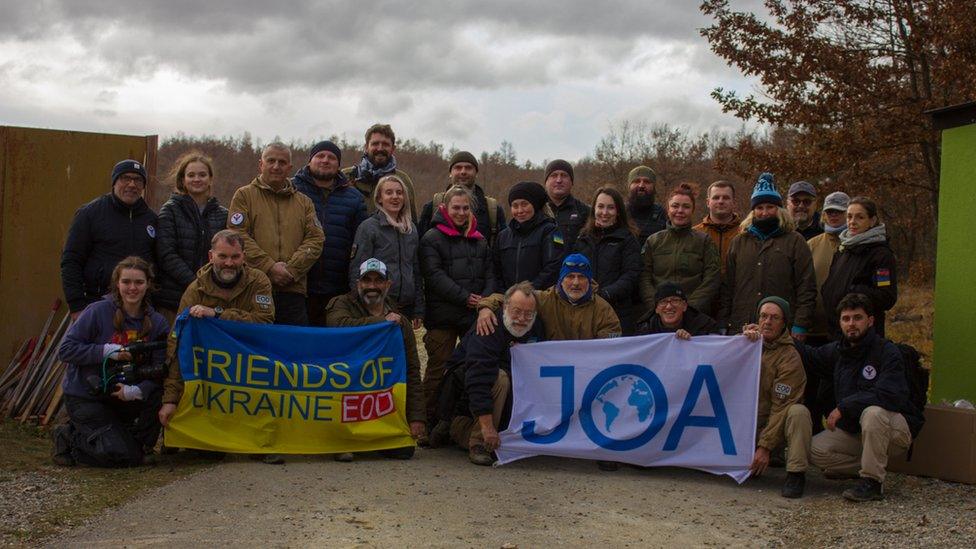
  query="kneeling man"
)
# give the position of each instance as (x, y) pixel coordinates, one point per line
(782, 419)
(874, 417)
(368, 304)
(485, 362)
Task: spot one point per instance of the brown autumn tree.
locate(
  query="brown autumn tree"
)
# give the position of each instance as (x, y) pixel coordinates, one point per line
(847, 82)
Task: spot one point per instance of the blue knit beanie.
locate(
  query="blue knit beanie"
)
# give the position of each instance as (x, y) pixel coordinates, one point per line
(765, 192)
(576, 263)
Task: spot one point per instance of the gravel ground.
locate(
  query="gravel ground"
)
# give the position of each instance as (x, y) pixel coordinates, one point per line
(24, 497)
(440, 500)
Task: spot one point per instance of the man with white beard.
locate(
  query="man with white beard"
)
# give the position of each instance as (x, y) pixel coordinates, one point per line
(480, 369)
(225, 288)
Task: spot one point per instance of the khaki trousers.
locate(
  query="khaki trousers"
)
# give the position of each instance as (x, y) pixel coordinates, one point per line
(440, 344)
(466, 431)
(797, 431)
(883, 434)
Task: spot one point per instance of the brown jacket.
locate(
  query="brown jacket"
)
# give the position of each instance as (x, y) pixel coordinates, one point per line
(249, 301)
(367, 188)
(779, 266)
(781, 385)
(347, 310)
(277, 226)
(721, 234)
(822, 248)
(594, 319)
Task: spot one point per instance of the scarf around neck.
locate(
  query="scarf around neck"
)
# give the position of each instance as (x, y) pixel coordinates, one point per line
(469, 230)
(874, 235)
(764, 229)
(366, 171)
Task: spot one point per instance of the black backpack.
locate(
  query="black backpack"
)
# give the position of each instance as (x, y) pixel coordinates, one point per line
(916, 374)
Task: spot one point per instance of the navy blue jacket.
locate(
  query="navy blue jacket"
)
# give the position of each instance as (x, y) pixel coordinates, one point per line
(483, 356)
(104, 232)
(530, 251)
(870, 374)
(340, 211)
(571, 216)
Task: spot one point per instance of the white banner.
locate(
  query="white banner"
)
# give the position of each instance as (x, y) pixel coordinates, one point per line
(647, 400)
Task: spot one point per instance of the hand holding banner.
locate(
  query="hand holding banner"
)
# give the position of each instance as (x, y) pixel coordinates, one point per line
(650, 400)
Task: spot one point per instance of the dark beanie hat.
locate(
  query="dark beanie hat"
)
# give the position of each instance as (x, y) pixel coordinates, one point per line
(325, 146)
(560, 164)
(781, 303)
(765, 192)
(129, 166)
(463, 156)
(669, 289)
(531, 191)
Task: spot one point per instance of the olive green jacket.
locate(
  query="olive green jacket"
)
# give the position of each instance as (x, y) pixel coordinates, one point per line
(686, 257)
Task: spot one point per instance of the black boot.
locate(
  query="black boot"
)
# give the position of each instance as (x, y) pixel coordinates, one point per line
(793, 487)
(867, 489)
(61, 446)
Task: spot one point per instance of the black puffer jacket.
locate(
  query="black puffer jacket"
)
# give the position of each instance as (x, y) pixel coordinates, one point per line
(182, 243)
(454, 266)
(869, 269)
(649, 220)
(616, 261)
(530, 251)
(104, 232)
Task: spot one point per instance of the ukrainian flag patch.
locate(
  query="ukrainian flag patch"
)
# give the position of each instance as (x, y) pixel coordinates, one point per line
(882, 278)
(557, 238)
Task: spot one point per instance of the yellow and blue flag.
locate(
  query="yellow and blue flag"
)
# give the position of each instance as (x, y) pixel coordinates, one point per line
(258, 388)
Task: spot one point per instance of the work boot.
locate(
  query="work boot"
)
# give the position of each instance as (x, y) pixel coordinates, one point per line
(608, 465)
(867, 489)
(61, 446)
(479, 455)
(149, 459)
(440, 435)
(793, 487)
(344, 457)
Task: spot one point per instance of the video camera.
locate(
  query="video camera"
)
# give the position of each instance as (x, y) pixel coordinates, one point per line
(127, 373)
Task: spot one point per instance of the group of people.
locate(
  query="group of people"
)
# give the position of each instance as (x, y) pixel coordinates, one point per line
(325, 246)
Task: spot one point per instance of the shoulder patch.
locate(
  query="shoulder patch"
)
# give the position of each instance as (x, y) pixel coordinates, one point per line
(557, 238)
(237, 218)
(869, 372)
(882, 278)
(317, 222)
(783, 390)
(262, 299)
(151, 230)
(352, 251)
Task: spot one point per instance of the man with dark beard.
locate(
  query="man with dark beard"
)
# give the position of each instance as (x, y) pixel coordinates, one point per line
(368, 304)
(378, 160)
(340, 209)
(647, 215)
(225, 288)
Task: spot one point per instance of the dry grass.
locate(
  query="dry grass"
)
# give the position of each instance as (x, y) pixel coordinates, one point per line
(911, 320)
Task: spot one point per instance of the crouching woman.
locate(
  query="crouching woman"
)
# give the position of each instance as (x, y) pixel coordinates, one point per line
(112, 421)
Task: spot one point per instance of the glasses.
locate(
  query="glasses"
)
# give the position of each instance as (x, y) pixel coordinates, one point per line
(671, 302)
(802, 201)
(130, 178)
(515, 312)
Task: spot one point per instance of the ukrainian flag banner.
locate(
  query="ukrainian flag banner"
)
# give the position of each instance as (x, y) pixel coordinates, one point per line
(258, 388)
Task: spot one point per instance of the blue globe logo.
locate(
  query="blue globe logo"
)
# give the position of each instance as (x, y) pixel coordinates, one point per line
(622, 407)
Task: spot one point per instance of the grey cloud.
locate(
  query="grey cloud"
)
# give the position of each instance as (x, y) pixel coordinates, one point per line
(262, 46)
(383, 104)
(448, 122)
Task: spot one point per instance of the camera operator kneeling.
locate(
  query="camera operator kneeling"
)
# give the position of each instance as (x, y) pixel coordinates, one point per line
(111, 387)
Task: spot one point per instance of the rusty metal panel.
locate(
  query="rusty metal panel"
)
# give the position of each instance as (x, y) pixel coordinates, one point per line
(45, 176)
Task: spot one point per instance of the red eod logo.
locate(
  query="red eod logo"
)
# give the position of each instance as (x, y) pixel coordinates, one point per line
(367, 406)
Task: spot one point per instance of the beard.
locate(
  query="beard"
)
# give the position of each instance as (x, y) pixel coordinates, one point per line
(516, 331)
(228, 274)
(372, 297)
(321, 175)
(637, 199)
(378, 159)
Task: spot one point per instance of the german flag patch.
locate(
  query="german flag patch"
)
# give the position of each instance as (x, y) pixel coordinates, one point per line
(882, 278)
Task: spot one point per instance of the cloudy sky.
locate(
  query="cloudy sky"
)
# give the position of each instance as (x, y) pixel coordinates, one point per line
(550, 77)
